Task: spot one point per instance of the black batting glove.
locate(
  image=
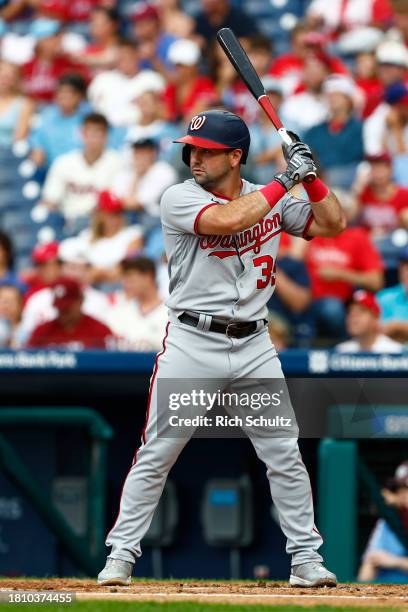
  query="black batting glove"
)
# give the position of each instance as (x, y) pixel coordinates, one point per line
(299, 166)
(296, 147)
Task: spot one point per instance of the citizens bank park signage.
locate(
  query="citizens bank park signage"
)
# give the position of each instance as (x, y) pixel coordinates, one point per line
(295, 362)
(325, 362)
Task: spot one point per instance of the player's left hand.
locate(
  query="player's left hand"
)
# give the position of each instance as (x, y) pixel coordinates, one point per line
(297, 147)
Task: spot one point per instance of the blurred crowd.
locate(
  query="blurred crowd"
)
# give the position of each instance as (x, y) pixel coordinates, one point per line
(92, 94)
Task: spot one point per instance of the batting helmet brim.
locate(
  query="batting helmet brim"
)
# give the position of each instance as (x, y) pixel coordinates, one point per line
(196, 141)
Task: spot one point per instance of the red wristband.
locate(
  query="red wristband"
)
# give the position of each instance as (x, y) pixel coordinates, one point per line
(316, 191)
(273, 192)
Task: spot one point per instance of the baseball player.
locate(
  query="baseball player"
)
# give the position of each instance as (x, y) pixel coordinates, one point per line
(221, 236)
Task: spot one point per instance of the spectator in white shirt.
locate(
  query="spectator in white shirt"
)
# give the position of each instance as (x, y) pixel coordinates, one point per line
(138, 316)
(112, 92)
(141, 187)
(308, 108)
(75, 179)
(338, 16)
(109, 239)
(397, 120)
(400, 18)
(40, 308)
(363, 325)
(392, 60)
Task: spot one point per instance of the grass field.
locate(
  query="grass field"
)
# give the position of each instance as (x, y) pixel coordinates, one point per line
(152, 606)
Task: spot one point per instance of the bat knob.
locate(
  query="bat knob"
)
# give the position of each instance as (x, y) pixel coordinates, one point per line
(309, 178)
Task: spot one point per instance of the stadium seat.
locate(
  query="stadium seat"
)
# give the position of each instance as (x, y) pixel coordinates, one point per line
(15, 218)
(24, 239)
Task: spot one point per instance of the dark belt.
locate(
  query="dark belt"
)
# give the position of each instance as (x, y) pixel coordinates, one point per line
(234, 329)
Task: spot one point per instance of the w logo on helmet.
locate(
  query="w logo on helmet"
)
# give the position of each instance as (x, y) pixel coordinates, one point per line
(197, 122)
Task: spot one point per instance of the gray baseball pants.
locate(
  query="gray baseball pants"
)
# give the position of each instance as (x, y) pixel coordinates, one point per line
(195, 353)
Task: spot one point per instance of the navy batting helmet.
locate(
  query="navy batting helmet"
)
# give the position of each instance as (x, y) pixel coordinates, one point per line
(216, 129)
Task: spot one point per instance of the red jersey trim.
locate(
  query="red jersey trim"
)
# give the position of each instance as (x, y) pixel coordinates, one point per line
(307, 226)
(224, 197)
(200, 212)
(156, 367)
(317, 531)
(152, 381)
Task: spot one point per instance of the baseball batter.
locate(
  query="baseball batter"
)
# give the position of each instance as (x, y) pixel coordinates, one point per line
(222, 238)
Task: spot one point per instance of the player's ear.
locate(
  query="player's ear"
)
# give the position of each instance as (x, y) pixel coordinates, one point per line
(235, 157)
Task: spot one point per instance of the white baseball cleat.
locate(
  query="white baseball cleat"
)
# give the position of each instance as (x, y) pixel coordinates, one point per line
(116, 572)
(312, 574)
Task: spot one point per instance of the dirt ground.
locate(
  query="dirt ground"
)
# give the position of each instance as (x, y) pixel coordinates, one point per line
(271, 593)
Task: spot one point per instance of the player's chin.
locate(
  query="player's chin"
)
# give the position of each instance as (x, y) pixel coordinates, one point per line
(200, 177)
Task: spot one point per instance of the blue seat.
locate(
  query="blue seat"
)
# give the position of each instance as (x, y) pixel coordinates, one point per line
(11, 219)
(24, 239)
(23, 261)
(8, 177)
(11, 197)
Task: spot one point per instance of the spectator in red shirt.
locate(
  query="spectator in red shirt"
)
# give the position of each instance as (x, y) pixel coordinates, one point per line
(289, 67)
(367, 79)
(72, 329)
(47, 268)
(383, 204)
(336, 266)
(189, 92)
(101, 52)
(41, 74)
(63, 10)
(67, 10)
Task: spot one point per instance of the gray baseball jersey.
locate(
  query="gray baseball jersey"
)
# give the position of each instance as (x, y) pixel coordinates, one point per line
(231, 277)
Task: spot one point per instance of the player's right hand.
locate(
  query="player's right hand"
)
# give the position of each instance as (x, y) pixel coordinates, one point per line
(299, 166)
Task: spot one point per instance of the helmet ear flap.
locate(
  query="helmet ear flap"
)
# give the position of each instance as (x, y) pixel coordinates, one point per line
(185, 155)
